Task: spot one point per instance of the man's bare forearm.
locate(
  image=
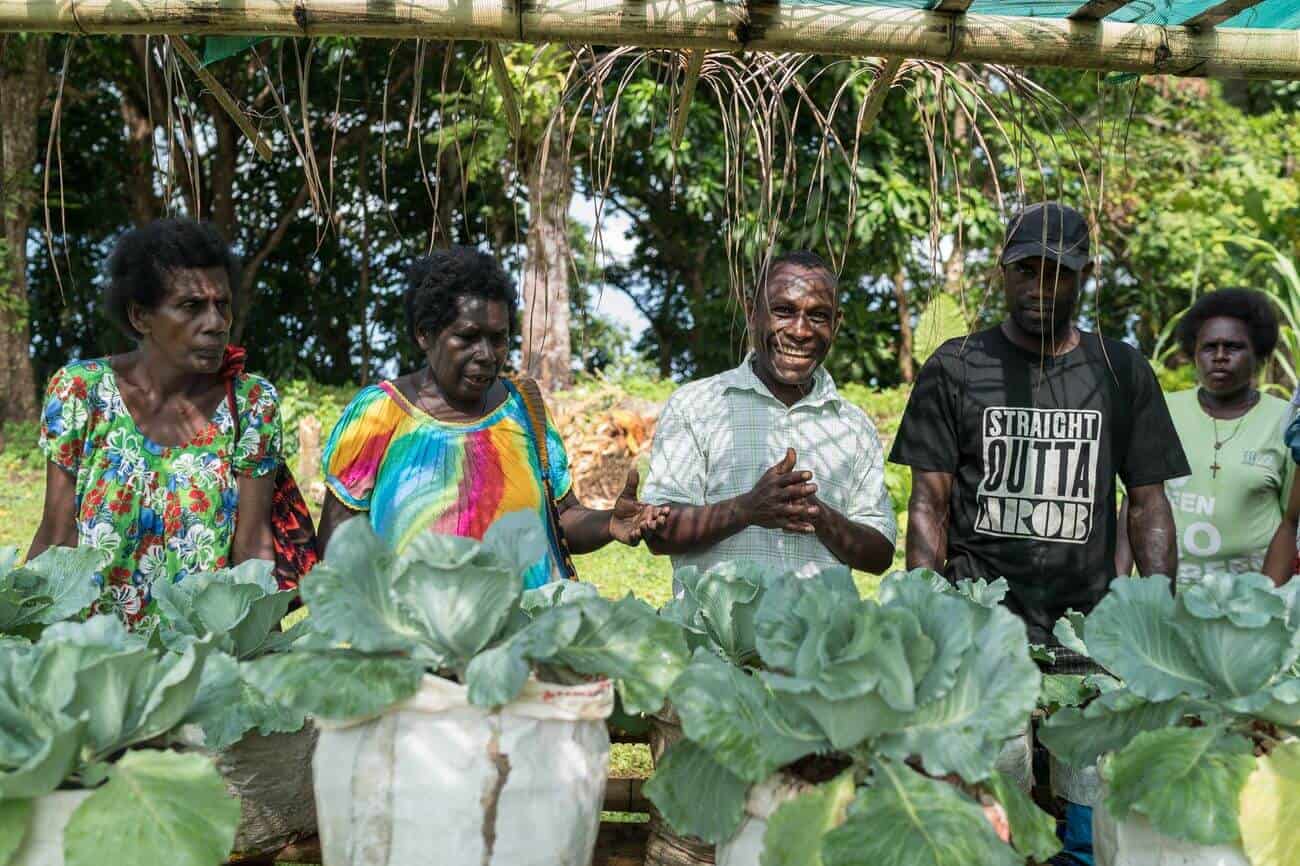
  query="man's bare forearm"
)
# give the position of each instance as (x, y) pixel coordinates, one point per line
(927, 538)
(854, 544)
(1151, 531)
(691, 527)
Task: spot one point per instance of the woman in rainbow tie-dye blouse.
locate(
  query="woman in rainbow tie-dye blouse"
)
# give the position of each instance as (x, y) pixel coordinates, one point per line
(450, 446)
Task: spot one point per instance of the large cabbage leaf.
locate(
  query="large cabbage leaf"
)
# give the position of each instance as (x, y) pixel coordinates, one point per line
(853, 664)
(1270, 808)
(993, 693)
(795, 830)
(737, 719)
(227, 706)
(164, 808)
(56, 585)
(1186, 781)
(906, 819)
(719, 605)
(1133, 634)
(1080, 736)
(1033, 831)
(241, 607)
(38, 744)
(335, 684)
(697, 795)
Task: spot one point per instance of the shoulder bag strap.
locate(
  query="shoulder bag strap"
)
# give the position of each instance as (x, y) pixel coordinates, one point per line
(535, 412)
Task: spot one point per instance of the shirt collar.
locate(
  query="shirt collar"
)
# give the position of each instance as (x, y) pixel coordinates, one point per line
(743, 378)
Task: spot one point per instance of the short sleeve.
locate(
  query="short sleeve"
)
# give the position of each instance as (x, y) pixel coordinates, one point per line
(261, 438)
(561, 481)
(677, 462)
(65, 418)
(927, 436)
(871, 504)
(1154, 453)
(357, 446)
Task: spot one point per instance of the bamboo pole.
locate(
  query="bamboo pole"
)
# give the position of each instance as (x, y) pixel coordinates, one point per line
(957, 6)
(814, 26)
(878, 93)
(694, 63)
(225, 100)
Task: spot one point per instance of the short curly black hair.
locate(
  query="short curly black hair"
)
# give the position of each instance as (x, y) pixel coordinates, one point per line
(143, 256)
(435, 281)
(1252, 308)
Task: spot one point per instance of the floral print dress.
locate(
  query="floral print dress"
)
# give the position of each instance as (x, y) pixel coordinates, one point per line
(156, 511)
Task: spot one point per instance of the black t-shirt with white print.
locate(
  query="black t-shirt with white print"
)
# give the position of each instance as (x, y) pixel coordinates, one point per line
(1034, 445)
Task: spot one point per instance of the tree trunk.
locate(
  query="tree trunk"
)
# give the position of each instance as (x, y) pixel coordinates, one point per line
(363, 187)
(24, 79)
(144, 204)
(905, 367)
(546, 274)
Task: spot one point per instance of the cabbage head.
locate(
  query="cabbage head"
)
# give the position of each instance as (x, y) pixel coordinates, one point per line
(78, 709)
(1208, 680)
(929, 676)
(456, 607)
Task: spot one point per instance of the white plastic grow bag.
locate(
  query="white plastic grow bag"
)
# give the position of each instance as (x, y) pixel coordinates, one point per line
(271, 776)
(1080, 785)
(1016, 761)
(746, 847)
(1134, 842)
(43, 843)
(437, 781)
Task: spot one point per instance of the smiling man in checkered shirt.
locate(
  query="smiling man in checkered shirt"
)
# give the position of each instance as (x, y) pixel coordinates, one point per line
(767, 462)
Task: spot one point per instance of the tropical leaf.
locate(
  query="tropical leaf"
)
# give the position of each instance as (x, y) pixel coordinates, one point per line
(1186, 781)
(1270, 808)
(1033, 831)
(191, 817)
(795, 830)
(906, 819)
(697, 795)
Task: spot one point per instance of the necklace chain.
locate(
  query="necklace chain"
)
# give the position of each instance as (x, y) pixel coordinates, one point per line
(1219, 443)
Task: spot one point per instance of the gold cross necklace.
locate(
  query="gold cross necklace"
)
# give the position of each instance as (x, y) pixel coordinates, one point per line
(1219, 443)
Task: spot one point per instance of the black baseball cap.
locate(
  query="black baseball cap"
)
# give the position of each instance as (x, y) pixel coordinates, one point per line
(1049, 230)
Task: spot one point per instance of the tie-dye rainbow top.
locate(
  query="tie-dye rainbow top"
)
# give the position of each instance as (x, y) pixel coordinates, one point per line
(411, 472)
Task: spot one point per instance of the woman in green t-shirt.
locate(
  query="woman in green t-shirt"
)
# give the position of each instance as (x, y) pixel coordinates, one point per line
(1229, 512)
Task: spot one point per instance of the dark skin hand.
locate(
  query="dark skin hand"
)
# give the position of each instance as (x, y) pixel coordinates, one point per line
(462, 382)
(1226, 366)
(1279, 562)
(171, 385)
(1151, 530)
(792, 325)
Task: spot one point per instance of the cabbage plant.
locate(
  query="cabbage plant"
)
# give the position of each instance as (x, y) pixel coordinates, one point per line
(912, 696)
(456, 607)
(58, 584)
(1206, 711)
(80, 709)
(238, 610)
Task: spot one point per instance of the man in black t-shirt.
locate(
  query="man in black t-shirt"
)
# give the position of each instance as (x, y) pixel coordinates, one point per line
(1015, 436)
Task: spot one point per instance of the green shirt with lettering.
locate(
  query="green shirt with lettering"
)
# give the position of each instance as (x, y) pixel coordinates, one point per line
(1227, 510)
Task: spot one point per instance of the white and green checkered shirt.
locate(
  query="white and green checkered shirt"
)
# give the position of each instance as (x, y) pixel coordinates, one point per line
(717, 436)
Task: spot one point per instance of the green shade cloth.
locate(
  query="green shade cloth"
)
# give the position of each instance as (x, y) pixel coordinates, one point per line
(1270, 14)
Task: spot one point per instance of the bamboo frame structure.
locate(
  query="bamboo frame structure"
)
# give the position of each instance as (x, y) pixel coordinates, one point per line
(1095, 10)
(809, 26)
(1220, 12)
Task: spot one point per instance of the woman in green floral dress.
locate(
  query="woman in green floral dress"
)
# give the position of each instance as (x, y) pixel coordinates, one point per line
(143, 459)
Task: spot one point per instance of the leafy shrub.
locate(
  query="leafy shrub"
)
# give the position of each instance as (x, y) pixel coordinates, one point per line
(1209, 682)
